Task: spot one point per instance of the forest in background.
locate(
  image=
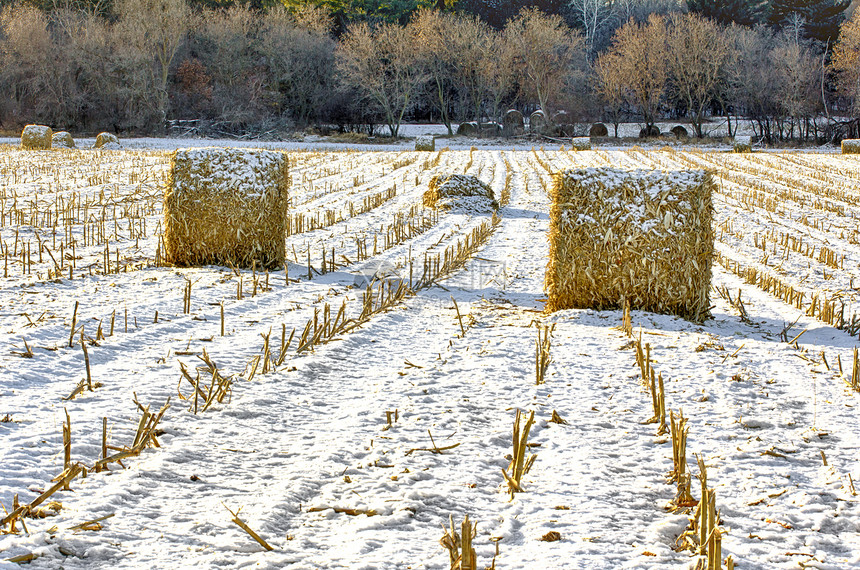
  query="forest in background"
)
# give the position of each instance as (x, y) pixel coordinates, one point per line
(262, 68)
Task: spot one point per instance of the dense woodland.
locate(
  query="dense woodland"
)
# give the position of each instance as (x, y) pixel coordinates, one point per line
(224, 67)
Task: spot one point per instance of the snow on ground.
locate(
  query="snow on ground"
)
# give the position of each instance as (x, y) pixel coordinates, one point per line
(306, 451)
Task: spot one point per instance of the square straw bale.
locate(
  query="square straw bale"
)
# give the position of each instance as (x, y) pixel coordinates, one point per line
(742, 144)
(641, 235)
(851, 146)
(580, 143)
(226, 206)
(425, 143)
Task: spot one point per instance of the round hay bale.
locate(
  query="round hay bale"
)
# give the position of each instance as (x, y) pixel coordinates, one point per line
(647, 132)
(491, 129)
(461, 192)
(469, 129)
(36, 137)
(680, 132)
(513, 123)
(106, 138)
(537, 122)
(425, 143)
(598, 130)
(62, 139)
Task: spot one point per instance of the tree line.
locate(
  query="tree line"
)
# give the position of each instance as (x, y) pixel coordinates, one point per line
(137, 66)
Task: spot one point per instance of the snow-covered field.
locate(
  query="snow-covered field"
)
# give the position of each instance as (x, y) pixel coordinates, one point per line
(309, 453)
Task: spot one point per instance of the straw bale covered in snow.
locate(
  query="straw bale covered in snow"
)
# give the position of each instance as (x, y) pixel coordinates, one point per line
(580, 143)
(642, 235)
(226, 206)
(62, 139)
(426, 142)
(459, 192)
(36, 137)
(742, 144)
(106, 140)
(851, 146)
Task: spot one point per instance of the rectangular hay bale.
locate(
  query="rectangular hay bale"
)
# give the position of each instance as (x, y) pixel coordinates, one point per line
(226, 206)
(640, 235)
(851, 146)
(580, 143)
(742, 144)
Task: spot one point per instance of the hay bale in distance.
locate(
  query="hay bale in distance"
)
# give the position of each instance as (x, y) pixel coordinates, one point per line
(36, 137)
(226, 206)
(469, 129)
(460, 192)
(742, 144)
(580, 143)
(513, 123)
(106, 139)
(426, 142)
(491, 129)
(647, 132)
(851, 146)
(538, 122)
(598, 130)
(640, 235)
(680, 132)
(62, 139)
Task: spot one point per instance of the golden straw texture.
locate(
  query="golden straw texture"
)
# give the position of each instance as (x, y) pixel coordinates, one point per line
(226, 206)
(640, 235)
(36, 137)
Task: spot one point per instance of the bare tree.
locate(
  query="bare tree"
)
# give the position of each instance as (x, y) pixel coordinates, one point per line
(846, 62)
(470, 47)
(545, 53)
(610, 86)
(381, 65)
(432, 30)
(300, 61)
(155, 28)
(640, 52)
(594, 16)
(752, 84)
(497, 71)
(698, 54)
(796, 68)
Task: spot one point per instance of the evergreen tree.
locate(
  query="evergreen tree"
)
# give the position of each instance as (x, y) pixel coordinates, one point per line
(820, 18)
(744, 12)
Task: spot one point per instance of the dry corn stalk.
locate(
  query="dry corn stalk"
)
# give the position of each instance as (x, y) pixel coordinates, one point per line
(543, 344)
(520, 464)
(459, 546)
(241, 524)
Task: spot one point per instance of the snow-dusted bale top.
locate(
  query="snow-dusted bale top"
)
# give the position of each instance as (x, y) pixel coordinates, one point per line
(742, 144)
(580, 143)
(642, 235)
(425, 143)
(459, 192)
(36, 137)
(851, 146)
(226, 206)
(62, 139)
(107, 141)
